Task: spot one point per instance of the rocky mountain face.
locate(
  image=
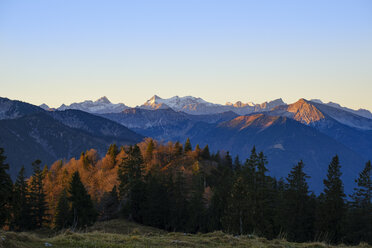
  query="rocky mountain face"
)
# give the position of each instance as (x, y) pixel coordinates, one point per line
(350, 129)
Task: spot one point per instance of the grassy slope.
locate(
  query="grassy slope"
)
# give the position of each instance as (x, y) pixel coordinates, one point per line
(121, 233)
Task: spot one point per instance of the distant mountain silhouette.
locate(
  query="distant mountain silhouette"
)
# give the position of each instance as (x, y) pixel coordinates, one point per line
(28, 133)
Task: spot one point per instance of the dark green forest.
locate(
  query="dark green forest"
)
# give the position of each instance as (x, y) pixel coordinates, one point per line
(179, 188)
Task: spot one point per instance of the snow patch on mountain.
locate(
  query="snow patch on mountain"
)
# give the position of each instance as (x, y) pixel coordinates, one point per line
(44, 106)
(316, 113)
(198, 106)
(361, 112)
(100, 106)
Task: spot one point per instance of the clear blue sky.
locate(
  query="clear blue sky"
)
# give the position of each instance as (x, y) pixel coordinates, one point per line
(66, 51)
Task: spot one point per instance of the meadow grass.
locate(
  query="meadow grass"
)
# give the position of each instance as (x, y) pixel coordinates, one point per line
(122, 233)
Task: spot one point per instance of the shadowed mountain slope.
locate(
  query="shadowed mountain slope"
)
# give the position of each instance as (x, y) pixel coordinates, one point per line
(164, 124)
(28, 133)
(284, 141)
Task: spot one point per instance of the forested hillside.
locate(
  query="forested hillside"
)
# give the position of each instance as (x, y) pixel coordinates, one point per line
(179, 188)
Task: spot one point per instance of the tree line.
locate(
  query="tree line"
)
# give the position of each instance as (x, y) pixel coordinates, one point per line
(178, 188)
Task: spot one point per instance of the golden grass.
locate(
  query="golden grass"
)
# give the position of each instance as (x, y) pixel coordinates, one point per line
(122, 233)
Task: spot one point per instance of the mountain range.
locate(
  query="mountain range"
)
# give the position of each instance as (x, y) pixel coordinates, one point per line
(190, 105)
(28, 132)
(307, 130)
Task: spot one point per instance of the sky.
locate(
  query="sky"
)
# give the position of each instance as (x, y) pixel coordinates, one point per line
(58, 51)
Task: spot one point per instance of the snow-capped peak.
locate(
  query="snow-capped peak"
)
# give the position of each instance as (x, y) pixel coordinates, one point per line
(44, 106)
(361, 112)
(197, 105)
(316, 100)
(104, 100)
(177, 103)
(240, 104)
(100, 106)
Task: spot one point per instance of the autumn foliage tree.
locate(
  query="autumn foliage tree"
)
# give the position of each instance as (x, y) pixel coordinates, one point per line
(176, 188)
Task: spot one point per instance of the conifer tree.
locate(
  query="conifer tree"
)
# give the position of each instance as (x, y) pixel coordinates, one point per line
(131, 187)
(362, 196)
(5, 190)
(360, 213)
(228, 161)
(188, 146)
(237, 206)
(61, 219)
(297, 213)
(237, 164)
(222, 180)
(332, 211)
(21, 218)
(38, 203)
(263, 200)
(216, 157)
(249, 176)
(156, 210)
(196, 209)
(82, 212)
(205, 154)
(178, 203)
(130, 170)
(109, 205)
(279, 210)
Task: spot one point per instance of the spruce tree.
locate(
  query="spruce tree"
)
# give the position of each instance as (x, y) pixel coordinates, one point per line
(237, 164)
(131, 187)
(221, 180)
(237, 206)
(249, 177)
(360, 213)
(362, 195)
(178, 203)
(297, 212)
(82, 212)
(263, 200)
(188, 146)
(332, 212)
(196, 209)
(38, 203)
(228, 161)
(205, 154)
(108, 207)
(21, 218)
(5, 190)
(62, 212)
(156, 211)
